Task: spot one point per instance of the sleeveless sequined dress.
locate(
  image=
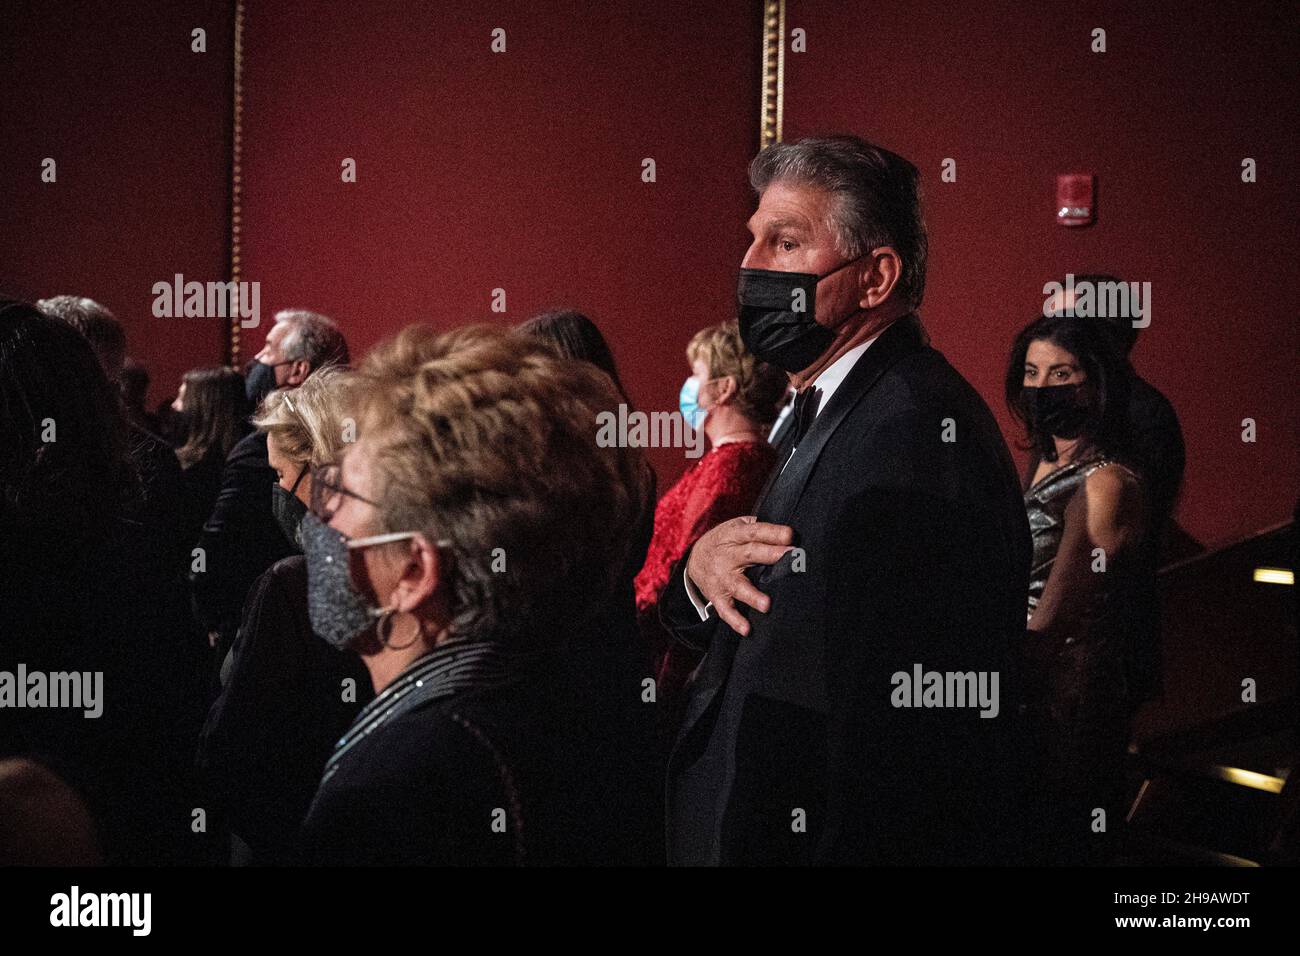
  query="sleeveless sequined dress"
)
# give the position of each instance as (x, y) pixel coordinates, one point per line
(1045, 504)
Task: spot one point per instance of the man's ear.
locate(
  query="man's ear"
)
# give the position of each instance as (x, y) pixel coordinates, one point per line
(883, 271)
(422, 572)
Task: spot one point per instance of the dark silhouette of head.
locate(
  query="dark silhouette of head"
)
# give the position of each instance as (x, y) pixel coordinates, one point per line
(575, 336)
(1122, 322)
(63, 462)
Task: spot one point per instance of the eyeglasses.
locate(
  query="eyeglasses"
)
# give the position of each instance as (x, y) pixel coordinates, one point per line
(327, 492)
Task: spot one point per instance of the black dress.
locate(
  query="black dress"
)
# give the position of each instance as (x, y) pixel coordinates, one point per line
(286, 697)
(472, 757)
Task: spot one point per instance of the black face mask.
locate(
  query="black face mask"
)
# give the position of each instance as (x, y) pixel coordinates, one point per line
(289, 510)
(1054, 410)
(259, 382)
(776, 315)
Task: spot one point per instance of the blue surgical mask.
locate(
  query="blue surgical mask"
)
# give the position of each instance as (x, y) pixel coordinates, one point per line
(688, 402)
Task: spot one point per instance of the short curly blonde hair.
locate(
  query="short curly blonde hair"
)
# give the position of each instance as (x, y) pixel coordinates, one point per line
(759, 386)
(487, 438)
(311, 424)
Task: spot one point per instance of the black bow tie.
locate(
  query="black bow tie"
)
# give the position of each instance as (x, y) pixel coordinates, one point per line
(804, 411)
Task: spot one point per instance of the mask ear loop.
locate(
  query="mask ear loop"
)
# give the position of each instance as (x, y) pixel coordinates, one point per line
(385, 617)
(718, 378)
(843, 265)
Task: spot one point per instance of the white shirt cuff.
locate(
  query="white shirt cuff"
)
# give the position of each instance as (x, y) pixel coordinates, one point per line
(697, 599)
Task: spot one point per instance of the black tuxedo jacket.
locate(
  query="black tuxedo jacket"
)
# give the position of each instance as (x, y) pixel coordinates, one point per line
(913, 549)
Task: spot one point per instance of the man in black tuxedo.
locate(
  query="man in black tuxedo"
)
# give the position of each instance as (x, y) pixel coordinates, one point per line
(891, 542)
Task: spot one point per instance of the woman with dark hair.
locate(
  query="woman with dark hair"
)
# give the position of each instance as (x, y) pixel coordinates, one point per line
(1067, 383)
(214, 412)
(575, 336)
(80, 596)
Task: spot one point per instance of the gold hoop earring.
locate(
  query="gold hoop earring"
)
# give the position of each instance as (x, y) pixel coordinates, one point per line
(386, 619)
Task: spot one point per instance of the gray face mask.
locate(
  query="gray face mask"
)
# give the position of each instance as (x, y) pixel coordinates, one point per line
(338, 613)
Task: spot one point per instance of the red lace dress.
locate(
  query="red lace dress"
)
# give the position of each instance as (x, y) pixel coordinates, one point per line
(724, 484)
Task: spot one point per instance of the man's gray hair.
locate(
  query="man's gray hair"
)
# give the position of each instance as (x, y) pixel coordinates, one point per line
(312, 337)
(877, 198)
(98, 325)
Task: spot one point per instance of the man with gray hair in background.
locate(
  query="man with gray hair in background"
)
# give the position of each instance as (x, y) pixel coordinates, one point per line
(98, 325)
(241, 538)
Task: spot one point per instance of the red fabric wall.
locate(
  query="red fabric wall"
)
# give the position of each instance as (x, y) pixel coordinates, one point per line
(519, 170)
(139, 127)
(1012, 92)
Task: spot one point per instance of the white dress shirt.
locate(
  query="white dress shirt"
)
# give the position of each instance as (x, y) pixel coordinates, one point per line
(825, 385)
(786, 410)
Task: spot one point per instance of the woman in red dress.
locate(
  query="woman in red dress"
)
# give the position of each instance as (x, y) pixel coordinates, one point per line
(734, 398)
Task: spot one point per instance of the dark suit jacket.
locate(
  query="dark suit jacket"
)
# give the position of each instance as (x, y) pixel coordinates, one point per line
(160, 507)
(915, 551)
(240, 540)
(1158, 446)
(1159, 452)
